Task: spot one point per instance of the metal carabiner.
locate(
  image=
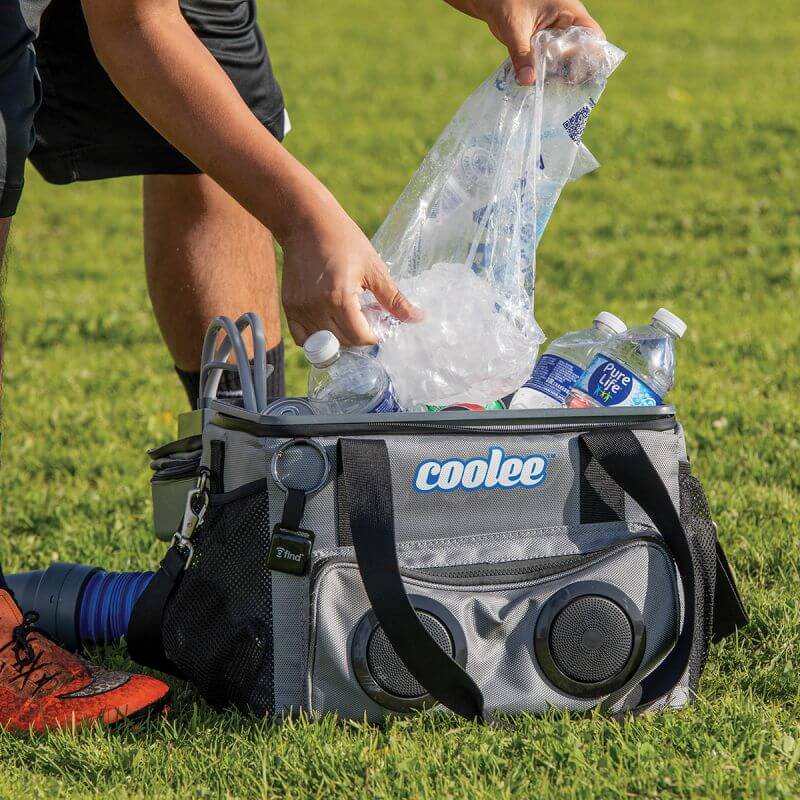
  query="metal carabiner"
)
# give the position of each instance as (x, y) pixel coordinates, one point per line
(193, 516)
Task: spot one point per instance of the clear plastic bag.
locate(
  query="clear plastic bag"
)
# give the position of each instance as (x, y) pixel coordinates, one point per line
(461, 239)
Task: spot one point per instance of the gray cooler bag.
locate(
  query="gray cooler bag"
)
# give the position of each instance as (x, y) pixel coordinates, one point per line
(484, 563)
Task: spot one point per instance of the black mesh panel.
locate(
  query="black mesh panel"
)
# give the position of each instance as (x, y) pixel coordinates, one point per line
(696, 517)
(218, 624)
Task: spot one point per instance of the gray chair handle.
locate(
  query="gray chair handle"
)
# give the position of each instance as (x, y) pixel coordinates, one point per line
(215, 360)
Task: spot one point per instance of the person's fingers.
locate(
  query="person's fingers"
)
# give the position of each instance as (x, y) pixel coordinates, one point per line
(350, 325)
(574, 14)
(390, 297)
(298, 331)
(585, 20)
(515, 33)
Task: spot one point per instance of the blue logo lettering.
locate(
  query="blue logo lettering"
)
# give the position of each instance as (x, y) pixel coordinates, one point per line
(610, 383)
(495, 471)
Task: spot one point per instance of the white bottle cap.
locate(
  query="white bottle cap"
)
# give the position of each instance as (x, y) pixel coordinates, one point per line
(673, 323)
(611, 321)
(321, 347)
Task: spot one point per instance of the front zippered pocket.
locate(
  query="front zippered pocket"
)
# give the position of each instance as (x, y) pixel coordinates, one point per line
(488, 613)
(493, 573)
(473, 574)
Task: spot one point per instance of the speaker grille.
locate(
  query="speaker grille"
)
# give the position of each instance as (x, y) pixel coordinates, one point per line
(591, 639)
(388, 670)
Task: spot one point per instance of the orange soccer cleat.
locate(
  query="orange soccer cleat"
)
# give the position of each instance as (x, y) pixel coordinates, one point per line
(43, 686)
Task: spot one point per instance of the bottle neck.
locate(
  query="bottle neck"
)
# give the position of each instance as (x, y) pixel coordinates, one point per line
(659, 326)
(601, 327)
(324, 364)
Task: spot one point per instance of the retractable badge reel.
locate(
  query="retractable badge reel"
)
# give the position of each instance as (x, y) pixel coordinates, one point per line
(300, 468)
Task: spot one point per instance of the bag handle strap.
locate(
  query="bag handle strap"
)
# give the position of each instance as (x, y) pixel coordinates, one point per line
(144, 635)
(145, 628)
(622, 456)
(366, 473)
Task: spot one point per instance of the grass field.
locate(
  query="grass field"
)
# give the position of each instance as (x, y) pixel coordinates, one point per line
(696, 207)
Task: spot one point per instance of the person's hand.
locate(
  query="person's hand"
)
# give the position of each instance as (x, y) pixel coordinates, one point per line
(514, 22)
(327, 263)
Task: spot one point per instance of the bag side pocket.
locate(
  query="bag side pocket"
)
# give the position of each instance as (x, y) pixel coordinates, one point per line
(696, 518)
(218, 624)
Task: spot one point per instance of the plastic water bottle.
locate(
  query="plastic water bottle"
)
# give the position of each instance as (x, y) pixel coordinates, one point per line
(563, 363)
(346, 382)
(636, 368)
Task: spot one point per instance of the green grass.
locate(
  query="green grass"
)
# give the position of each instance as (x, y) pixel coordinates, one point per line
(696, 208)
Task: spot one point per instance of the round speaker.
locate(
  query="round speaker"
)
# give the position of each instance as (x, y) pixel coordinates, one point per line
(378, 668)
(589, 639)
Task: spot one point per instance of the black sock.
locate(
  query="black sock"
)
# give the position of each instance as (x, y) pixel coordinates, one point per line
(191, 384)
(276, 383)
(229, 386)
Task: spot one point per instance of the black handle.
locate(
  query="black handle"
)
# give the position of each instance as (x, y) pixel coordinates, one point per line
(365, 470)
(622, 456)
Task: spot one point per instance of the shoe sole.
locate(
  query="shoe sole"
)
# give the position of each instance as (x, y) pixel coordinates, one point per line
(162, 705)
(156, 707)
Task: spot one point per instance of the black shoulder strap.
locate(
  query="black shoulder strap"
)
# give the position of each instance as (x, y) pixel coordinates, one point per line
(365, 469)
(144, 637)
(729, 610)
(622, 456)
(145, 629)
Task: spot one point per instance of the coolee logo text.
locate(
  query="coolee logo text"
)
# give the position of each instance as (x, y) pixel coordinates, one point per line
(495, 471)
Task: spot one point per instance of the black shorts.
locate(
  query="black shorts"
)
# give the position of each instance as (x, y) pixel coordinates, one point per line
(60, 108)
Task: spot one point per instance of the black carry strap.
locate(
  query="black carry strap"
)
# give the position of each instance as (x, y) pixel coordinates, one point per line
(144, 637)
(365, 469)
(729, 610)
(622, 456)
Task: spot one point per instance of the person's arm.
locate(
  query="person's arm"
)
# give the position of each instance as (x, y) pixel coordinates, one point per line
(168, 75)
(513, 22)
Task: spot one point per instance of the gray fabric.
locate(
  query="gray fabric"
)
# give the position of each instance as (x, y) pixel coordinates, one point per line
(290, 631)
(498, 623)
(663, 450)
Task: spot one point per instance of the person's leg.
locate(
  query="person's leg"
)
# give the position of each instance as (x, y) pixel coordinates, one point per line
(204, 256)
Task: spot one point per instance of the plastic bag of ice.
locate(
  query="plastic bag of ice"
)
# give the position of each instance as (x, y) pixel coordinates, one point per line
(461, 238)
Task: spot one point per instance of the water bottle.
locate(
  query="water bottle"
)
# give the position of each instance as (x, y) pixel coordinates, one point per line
(636, 368)
(344, 381)
(563, 363)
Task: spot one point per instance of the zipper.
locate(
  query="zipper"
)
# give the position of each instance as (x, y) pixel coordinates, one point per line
(491, 573)
(664, 421)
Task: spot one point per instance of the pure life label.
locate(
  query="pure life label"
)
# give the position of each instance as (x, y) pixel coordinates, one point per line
(611, 384)
(495, 471)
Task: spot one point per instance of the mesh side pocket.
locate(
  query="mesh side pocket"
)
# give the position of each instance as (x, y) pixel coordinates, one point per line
(218, 624)
(696, 518)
